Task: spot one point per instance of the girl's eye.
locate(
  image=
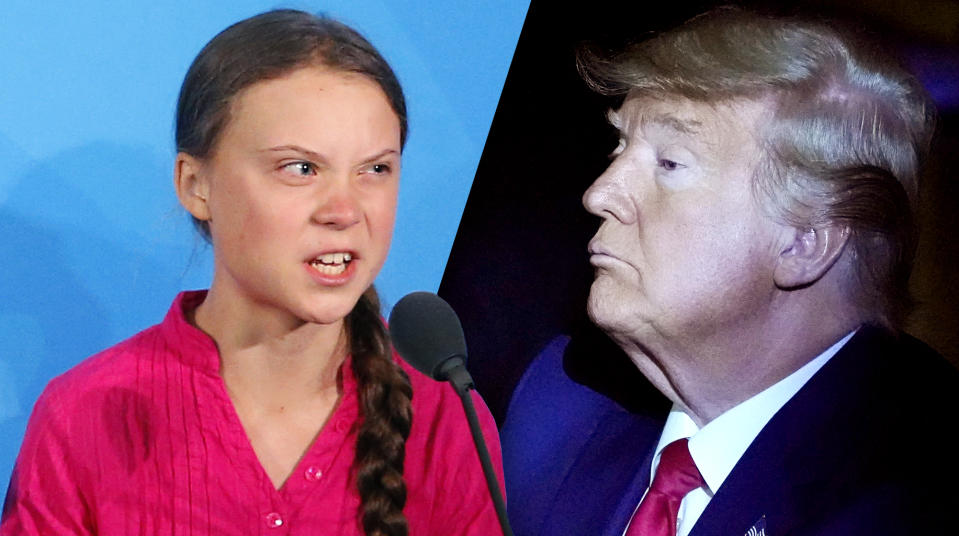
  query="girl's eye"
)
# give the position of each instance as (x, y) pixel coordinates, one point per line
(378, 169)
(301, 168)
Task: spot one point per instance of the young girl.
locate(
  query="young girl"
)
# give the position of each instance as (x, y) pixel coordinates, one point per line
(272, 403)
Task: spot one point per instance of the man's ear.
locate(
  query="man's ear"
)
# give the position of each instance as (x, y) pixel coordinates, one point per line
(809, 254)
(192, 186)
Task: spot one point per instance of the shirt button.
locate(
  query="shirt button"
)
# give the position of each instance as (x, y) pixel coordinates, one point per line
(313, 473)
(274, 520)
(342, 425)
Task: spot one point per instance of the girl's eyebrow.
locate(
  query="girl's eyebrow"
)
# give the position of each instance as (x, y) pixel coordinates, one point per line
(312, 155)
(383, 154)
(315, 156)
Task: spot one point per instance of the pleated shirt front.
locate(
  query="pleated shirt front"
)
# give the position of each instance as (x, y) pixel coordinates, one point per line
(143, 439)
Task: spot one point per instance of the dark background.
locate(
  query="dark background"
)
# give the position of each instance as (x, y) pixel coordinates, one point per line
(518, 273)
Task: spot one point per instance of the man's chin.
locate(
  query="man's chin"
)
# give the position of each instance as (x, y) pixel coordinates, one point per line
(606, 304)
(595, 308)
(605, 316)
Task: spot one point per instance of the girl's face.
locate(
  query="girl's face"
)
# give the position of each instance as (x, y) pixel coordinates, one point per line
(300, 193)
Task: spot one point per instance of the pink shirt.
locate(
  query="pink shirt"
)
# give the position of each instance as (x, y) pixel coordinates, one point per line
(142, 439)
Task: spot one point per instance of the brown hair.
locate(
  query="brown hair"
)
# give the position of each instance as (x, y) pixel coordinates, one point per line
(385, 395)
(849, 129)
(269, 46)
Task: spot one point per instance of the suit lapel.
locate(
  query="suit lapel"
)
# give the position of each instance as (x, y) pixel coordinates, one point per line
(633, 494)
(607, 477)
(788, 470)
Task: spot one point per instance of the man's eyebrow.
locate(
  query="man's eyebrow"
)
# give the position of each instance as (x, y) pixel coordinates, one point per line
(614, 119)
(687, 127)
(681, 126)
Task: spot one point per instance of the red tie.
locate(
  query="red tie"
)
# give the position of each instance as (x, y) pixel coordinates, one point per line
(676, 476)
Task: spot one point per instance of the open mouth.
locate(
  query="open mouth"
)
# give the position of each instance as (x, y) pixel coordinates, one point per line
(332, 263)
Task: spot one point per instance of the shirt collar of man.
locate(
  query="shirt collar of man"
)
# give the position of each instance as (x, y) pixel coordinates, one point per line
(717, 447)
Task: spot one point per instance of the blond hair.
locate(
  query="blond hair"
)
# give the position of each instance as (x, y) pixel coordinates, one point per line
(848, 132)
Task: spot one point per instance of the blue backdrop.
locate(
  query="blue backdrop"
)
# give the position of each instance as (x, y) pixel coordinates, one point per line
(93, 243)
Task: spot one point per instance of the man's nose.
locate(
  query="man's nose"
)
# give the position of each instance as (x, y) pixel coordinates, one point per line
(607, 196)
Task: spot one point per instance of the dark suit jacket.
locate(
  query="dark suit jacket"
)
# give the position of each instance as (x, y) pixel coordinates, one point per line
(861, 449)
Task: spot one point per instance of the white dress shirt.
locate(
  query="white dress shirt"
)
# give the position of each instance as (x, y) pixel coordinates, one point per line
(717, 447)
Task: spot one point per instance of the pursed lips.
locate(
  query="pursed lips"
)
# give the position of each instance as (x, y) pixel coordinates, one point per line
(601, 256)
(598, 253)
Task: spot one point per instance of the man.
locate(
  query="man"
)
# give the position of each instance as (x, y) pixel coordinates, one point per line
(756, 239)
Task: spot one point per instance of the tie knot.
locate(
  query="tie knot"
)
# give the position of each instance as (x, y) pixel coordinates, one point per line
(676, 474)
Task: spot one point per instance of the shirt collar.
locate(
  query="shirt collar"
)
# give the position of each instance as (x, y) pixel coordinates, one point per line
(190, 344)
(717, 447)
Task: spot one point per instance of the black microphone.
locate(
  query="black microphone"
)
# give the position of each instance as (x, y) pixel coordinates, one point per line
(429, 336)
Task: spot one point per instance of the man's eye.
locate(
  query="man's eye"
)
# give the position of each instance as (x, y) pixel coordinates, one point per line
(301, 168)
(669, 165)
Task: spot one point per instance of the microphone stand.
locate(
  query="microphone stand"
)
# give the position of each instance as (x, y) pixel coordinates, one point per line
(462, 383)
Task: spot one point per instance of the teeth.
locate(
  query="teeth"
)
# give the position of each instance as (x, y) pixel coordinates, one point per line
(333, 258)
(333, 269)
(331, 263)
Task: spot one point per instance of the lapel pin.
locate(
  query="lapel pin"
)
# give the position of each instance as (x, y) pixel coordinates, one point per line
(758, 528)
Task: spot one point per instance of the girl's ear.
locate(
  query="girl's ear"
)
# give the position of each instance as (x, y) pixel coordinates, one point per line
(192, 186)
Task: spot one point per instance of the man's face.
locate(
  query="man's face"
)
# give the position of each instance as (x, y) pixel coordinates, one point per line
(683, 251)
